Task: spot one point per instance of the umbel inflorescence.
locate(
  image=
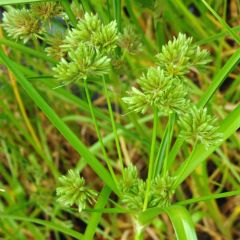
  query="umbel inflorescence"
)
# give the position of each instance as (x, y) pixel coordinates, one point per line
(133, 190)
(164, 87)
(87, 50)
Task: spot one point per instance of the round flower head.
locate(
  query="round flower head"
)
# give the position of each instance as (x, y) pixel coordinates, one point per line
(106, 37)
(198, 125)
(21, 24)
(91, 31)
(74, 191)
(179, 55)
(158, 90)
(162, 190)
(129, 41)
(83, 62)
(55, 50)
(88, 25)
(46, 10)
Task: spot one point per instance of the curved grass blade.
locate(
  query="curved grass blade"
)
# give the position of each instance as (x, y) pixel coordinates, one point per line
(209, 197)
(27, 50)
(96, 216)
(60, 125)
(51, 225)
(182, 222)
(8, 2)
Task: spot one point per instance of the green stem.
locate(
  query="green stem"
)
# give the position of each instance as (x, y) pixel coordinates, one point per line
(67, 8)
(139, 233)
(151, 160)
(169, 140)
(114, 127)
(185, 166)
(117, 13)
(98, 133)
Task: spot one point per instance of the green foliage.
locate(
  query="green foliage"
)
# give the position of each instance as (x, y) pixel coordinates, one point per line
(197, 125)
(88, 50)
(73, 190)
(83, 62)
(21, 24)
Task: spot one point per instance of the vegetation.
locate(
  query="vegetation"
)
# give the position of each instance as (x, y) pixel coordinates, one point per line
(119, 120)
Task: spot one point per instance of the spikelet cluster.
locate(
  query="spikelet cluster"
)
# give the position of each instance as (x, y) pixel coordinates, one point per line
(129, 41)
(73, 191)
(158, 91)
(86, 48)
(180, 54)
(83, 62)
(91, 31)
(54, 49)
(21, 24)
(198, 126)
(46, 10)
(163, 87)
(133, 190)
(25, 24)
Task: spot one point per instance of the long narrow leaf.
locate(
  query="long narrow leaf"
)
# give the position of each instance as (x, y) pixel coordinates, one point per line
(96, 216)
(8, 2)
(182, 223)
(60, 125)
(55, 226)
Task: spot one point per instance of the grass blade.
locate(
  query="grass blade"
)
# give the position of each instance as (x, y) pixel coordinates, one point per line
(61, 126)
(182, 223)
(219, 78)
(27, 50)
(209, 197)
(95, 218)
(223, 23)
(8, 2)
(50, 225)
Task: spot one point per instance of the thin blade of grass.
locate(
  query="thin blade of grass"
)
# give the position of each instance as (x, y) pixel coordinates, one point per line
(61, 126)
(27, 50)
(209, 197)
(223, 23)
(51, 225)
(67, 8)
(182, 222)
(96, 217)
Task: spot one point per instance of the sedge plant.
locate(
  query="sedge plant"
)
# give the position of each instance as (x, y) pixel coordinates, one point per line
(87, 54)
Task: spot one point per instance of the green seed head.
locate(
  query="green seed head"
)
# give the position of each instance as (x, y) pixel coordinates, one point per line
(21, 24)
(73, 190)
(198, 125)
(83, 62)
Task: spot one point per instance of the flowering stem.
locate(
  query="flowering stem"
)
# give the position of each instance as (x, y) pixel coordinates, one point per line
(114, 127)
(171, 122)
(151, 160)
(98, 133)
(186, 163)
(139, 234)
